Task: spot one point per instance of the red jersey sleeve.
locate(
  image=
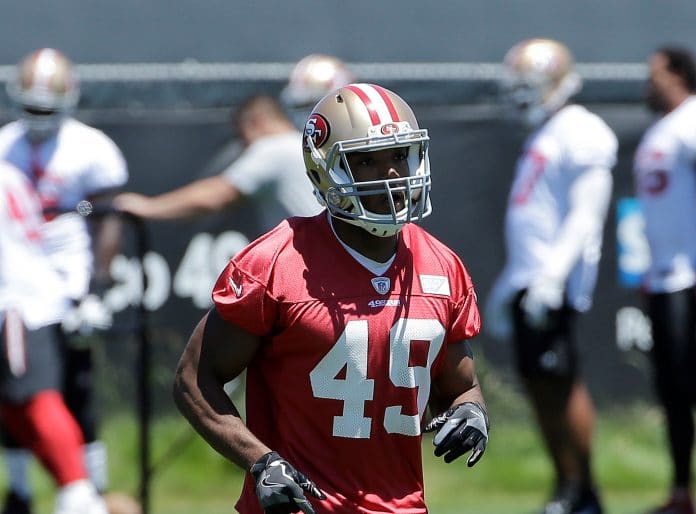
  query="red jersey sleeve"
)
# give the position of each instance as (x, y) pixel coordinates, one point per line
(466, 319)
(241, 293)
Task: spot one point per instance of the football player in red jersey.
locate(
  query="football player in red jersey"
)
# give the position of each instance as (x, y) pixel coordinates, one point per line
(349, 324)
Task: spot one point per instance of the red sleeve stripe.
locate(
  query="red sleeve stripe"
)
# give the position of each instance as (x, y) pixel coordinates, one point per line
(377, 103)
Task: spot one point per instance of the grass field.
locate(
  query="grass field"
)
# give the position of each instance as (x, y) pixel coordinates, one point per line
(512, 478)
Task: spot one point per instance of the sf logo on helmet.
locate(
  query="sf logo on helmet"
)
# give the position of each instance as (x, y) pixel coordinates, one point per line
(317, 127)
(389, 129)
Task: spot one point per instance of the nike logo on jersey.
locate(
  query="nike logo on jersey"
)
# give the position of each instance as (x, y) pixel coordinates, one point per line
(237, 288)
(283, 470)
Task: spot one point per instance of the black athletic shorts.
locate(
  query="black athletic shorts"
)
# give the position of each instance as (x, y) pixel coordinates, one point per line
(79, 384)
(673, 319)
(545, 352)
(30, 360)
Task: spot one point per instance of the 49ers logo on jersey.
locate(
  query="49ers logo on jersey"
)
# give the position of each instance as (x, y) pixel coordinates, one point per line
(317, 127)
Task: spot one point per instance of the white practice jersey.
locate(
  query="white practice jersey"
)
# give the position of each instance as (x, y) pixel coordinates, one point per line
(665, 178)
(29, 284)
(78, 162)
(272, 170)
(574, 145)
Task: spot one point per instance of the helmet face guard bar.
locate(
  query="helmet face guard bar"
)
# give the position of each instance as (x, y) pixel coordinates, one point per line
(379, 142)
(415, 189)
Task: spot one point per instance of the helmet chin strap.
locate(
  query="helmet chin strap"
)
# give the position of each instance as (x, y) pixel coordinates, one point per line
(569, 86)
(535, 115)
(39, 130)
(375, 229)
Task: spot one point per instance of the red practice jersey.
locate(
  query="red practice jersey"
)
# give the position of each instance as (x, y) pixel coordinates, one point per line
(342, 380)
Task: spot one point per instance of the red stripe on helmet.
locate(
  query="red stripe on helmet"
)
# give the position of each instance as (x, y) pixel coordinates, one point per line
(374, 117)
(388, 102)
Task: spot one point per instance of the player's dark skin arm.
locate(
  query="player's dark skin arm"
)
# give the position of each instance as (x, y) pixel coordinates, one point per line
(216, 353)
(457, 381)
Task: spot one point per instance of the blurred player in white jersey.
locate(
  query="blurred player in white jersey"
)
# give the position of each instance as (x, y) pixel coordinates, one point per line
(67, 162)
(33, 302)
(266, 167)
(665, 179)
(553, 229)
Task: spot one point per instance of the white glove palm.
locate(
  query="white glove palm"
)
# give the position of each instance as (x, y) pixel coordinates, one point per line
(543, 295)
(88, 315)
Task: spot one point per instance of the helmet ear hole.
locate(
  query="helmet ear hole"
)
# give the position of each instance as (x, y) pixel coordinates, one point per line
(315, 176)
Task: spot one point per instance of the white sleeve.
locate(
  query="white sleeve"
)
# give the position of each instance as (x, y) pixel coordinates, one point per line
(591, 144)
(109, 169)
(255, 167)
(589, 197)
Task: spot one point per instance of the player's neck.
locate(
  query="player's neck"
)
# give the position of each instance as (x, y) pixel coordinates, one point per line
(676, 99)
(379, 249)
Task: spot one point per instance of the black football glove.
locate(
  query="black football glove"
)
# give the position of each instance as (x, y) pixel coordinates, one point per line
(461, 428)
(280, 487)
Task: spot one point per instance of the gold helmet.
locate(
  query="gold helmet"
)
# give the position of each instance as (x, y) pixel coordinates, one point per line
(314, 77)
(539, 78)
(365, 118)
(45, 88)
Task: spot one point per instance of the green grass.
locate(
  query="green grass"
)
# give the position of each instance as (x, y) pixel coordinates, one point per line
(630, 462)
(514, 476)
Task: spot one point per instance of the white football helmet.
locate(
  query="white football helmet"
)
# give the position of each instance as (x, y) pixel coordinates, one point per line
(314, 77)
(45, 89)
(311, 79)
(364, 118)
(539, 78)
